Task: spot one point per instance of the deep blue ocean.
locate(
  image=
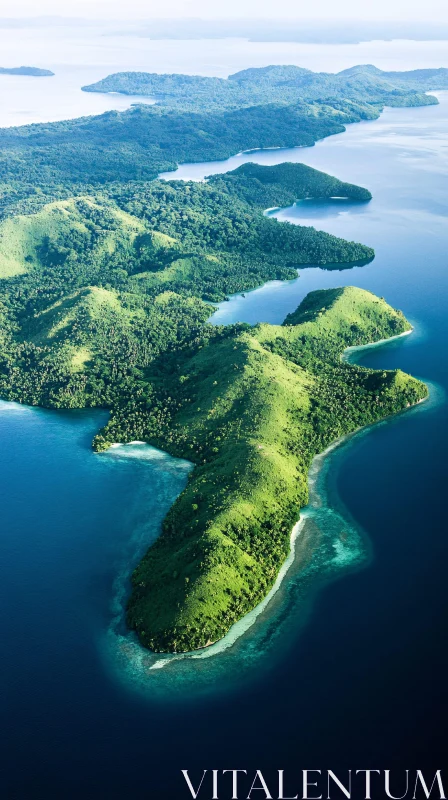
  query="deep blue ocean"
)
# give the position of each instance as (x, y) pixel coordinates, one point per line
(346, 668)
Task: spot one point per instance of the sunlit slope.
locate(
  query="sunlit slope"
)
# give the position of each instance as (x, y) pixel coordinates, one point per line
(90, 347)
(82, 237)
(251, 410)
(46, 239)
(65, 349)
(78, 328)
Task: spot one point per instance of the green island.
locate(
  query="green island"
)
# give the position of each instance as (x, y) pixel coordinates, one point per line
(34, 72)
(366, 87)
(107, 275)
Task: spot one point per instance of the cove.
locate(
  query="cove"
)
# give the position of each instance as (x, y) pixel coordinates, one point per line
(366, 674)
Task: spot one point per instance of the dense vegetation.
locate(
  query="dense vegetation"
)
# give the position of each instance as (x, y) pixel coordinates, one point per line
(283, 184)
(249, 406)
(365, 86)
(60, 158)
(94, 289)
(252, 427)
(191, 238)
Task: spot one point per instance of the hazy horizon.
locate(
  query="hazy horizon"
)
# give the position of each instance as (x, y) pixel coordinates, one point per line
(325, 31)
(432, 12)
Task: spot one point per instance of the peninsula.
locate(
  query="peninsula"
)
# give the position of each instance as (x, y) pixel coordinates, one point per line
(281, 395)
(103, 305)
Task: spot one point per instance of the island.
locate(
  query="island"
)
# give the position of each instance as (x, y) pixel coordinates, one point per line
(35, 72)
(365, 87)
(107, 275)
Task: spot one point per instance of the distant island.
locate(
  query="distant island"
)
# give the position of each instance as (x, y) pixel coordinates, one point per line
(255, 30)
(366, 87)
(33, 71)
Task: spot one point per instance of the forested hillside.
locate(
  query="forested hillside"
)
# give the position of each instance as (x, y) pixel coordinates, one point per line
(95, 288)
(190, 237)
(78, 155)
(283, 184)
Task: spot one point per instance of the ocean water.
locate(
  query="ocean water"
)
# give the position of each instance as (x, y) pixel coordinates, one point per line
(333, 673)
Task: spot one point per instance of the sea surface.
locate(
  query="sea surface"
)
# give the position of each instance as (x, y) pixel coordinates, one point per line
(346, 667)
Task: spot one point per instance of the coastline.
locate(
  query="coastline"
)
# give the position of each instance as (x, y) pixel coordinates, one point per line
(350, 351)
(326, 544)
(168, 175)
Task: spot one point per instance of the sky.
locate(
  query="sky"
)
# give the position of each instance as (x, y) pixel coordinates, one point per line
(430, 11)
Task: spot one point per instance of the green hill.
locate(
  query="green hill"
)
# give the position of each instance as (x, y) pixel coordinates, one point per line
(64, 230)
(281, 395)
(283, 184)
(94, 288)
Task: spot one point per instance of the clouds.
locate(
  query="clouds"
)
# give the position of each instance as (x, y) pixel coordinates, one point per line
(429, 11)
